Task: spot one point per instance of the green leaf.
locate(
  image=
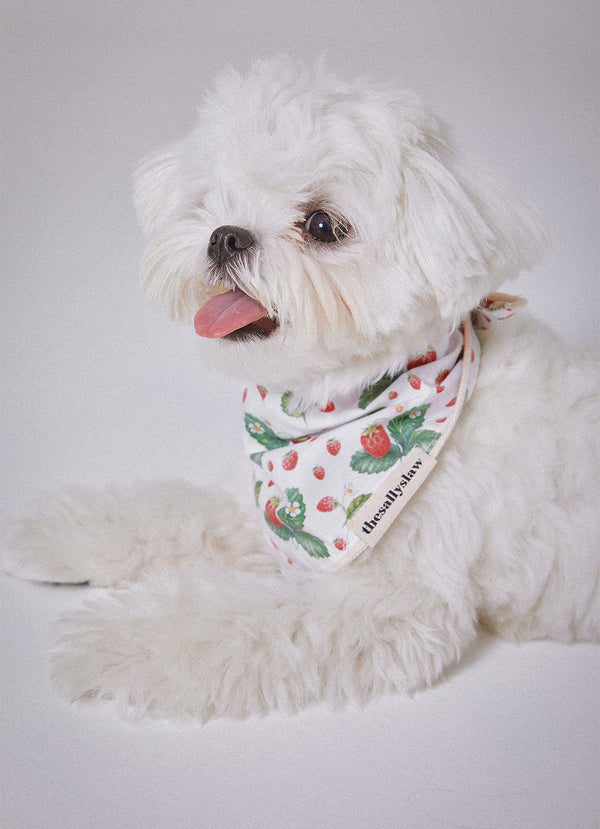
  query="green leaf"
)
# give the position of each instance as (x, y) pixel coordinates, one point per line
(402, 427)
(370, 393)
(259, 430)
(257, 457)
(361, 461)
(295, 518)
(286, 399)
(257, 487)
(283, 532)
(424, 439)
(356, 504)
(313, 545)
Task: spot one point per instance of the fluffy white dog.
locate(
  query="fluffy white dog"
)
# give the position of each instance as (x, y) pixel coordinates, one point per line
(331, 252)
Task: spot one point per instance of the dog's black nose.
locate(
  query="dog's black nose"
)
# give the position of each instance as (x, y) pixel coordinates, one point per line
(227, 241)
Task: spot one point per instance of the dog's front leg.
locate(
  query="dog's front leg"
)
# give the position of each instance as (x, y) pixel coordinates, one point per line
(209, 644)
(111, 537)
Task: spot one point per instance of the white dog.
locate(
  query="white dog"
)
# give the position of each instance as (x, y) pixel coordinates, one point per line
(331, 252)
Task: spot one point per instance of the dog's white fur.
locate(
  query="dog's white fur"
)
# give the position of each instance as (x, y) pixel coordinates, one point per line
(505, 532)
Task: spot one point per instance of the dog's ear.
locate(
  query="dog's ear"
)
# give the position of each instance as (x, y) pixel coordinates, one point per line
(466, 232)
(155, 187)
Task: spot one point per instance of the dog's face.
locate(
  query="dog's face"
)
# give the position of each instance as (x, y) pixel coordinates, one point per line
(318, 232)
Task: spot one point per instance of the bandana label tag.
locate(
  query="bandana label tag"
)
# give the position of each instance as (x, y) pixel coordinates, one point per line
(373, 519)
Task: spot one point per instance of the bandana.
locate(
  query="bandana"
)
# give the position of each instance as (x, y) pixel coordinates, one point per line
(329, 481)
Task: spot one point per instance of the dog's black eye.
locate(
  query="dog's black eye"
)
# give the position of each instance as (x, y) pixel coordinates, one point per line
(323, 228)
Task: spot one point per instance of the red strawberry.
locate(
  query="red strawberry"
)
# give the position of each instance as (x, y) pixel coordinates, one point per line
(270, 466)
(441, 419)
(375, 441)
(339, 544)
(392, 395)
(262, 391)
(245, 395)
(451, 402)
(422, 360)
(319, 472)
(329, 407)
(271, 510)
(440, 379)
(290, 460)
(333, 446)
(326, 504)
(414, 381)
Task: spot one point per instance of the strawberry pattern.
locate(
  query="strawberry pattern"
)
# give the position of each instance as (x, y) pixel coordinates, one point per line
(315, 466)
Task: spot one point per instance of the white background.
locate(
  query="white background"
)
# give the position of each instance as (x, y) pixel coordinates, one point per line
(98, 388)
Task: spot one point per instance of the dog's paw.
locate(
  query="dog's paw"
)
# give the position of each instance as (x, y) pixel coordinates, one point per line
(199, 645)
(104, 538)
(55, 544)
(109, 538)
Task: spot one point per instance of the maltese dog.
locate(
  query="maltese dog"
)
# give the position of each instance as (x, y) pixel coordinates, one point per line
(416, 476)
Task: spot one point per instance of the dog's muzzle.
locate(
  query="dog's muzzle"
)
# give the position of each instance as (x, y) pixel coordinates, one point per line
(228, 241)
(234, 314)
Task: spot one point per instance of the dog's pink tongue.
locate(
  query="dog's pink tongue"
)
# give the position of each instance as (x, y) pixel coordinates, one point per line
(226, 313)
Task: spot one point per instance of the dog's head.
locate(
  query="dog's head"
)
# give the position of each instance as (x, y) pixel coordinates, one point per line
(319, 232)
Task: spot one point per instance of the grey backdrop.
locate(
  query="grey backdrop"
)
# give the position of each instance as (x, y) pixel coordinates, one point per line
(99, 388)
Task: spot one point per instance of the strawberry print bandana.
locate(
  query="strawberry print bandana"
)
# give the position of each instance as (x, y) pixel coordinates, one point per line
(316, 468)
